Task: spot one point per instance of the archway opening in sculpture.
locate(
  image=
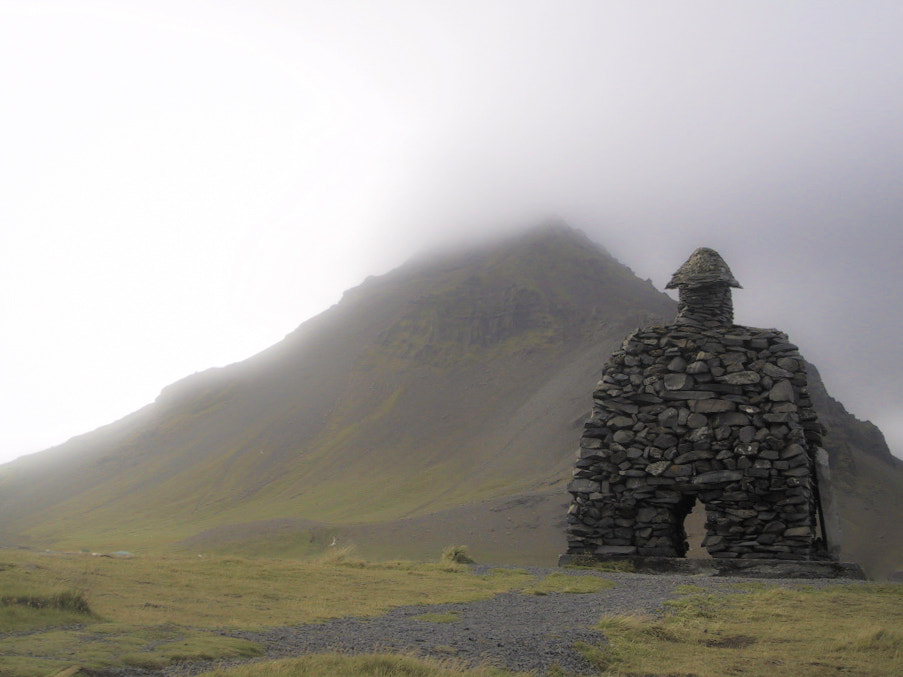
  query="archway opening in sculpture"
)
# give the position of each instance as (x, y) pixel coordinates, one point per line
(694, 519)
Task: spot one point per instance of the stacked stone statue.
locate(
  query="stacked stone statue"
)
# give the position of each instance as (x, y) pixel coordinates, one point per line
(699, 410)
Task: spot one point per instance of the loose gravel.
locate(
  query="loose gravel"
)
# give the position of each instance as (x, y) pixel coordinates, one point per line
(519, 632)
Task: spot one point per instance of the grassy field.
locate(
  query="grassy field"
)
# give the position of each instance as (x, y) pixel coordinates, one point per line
(766, 632)
(61, 612)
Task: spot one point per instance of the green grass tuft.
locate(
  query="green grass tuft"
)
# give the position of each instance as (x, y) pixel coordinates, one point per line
(561, 582)
(24, 607)
(61, 601)
(589, 562)
(457, 554)
(447, 617)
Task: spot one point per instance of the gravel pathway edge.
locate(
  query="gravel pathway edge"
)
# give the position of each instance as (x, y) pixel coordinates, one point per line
(516, 631)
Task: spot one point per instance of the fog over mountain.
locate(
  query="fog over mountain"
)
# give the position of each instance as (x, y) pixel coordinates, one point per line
(186, 182)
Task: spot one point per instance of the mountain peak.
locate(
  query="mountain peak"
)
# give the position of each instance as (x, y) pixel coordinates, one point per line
(545, 285)
(546, 232)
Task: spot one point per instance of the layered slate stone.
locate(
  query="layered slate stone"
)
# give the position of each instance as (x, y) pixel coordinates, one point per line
(700, 410)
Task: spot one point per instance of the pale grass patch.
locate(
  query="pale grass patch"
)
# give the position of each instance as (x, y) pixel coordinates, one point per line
(102, 646)
(367, 665)
(768, 632)
(446, 617)
(566, 583)
(689, 589)
(875, 639)
(336, 555)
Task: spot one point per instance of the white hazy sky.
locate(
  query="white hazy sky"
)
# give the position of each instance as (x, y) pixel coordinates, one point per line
(184, 182)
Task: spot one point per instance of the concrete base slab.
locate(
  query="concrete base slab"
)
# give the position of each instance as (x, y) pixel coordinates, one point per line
(751, 568)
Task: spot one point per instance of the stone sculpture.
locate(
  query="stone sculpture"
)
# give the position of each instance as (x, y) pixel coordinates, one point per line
(699, 410)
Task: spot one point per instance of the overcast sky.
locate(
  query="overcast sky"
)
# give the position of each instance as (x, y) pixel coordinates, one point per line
(184, 182)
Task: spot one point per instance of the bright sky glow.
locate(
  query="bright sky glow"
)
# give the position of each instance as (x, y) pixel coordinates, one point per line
(184, 182)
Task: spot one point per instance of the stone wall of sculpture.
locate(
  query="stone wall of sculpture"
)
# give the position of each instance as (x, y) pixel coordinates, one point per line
(699, 411)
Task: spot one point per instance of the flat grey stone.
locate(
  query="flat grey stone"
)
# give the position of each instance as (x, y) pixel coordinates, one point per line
(712, 406)
(718, 476)
(782, 392)
(583, 486)
(741, 378)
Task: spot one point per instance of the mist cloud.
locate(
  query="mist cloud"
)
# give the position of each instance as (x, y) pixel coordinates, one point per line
(187, 182)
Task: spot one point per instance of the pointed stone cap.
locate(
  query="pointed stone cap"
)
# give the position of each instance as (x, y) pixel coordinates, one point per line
(705, 266)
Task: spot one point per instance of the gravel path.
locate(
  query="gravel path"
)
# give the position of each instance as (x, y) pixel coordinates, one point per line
(514, 631)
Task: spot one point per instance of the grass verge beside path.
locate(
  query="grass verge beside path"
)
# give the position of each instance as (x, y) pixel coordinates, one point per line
(370, 665)
(153, 611)
(231, 592)
(769, 632)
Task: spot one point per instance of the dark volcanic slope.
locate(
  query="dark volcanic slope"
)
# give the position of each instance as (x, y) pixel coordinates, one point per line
(438, 403)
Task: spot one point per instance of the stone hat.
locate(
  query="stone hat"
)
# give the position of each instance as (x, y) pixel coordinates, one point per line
(704, 267)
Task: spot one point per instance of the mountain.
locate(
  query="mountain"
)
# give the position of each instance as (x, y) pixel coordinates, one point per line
(440, 403)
